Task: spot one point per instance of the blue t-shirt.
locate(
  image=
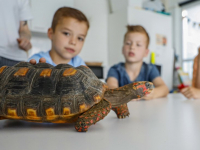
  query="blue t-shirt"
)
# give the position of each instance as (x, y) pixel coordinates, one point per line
(75, 61)
(148, 72)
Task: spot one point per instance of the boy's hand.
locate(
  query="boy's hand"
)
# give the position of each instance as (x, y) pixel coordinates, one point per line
(191, 92)
(24, 44)
(149, 96)
(42, 60)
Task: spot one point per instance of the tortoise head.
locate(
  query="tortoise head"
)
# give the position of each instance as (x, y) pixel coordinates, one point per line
(142, 88)
(128, 92)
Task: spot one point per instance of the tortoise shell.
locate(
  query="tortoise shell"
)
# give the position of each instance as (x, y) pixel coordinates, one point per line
(44, 93)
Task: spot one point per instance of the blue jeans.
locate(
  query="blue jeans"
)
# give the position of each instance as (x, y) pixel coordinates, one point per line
(7, 62)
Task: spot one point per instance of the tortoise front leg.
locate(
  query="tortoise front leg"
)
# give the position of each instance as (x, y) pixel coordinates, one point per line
(93, 115)
(121, 111)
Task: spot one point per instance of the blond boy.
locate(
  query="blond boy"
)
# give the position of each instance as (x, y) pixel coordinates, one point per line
(135, 48)
(67, 34)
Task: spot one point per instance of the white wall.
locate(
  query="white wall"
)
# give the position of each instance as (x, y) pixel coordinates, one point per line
(96, 44)
(117, 5)
(42, 15)
(117, 29)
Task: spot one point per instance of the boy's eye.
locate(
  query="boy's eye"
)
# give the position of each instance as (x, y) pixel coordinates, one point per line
(138, 45)
(80, 39)
(66, 33)
(128, 43)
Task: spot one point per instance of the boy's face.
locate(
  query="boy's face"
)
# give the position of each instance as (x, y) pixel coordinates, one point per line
(68, 37)
(135, 47)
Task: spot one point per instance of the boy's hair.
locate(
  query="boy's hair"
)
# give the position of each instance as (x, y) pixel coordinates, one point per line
(139, 29)
(65, 12)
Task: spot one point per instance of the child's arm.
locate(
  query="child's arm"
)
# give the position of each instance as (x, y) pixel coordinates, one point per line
(112, 78)
(191, 92)
(112, 83)
(160, 90)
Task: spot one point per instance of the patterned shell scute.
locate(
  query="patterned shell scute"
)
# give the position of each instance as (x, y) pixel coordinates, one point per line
(43, 92)
(78, 88)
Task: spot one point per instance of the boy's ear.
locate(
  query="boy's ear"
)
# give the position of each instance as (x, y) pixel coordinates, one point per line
(50, 33)
(146, 52)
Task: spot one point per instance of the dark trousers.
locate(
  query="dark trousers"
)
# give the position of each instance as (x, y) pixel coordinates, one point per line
(7, 62)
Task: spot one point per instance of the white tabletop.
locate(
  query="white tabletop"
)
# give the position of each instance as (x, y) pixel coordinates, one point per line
(171, 123)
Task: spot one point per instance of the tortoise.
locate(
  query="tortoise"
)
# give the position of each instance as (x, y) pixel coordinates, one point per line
(62, 94)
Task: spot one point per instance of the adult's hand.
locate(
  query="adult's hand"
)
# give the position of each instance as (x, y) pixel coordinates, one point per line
(24, 44)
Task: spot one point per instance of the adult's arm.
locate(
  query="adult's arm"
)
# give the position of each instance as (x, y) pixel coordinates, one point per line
(24, 36)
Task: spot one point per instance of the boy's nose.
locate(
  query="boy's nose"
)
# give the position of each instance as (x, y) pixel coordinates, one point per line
(132, 46)
(72, 41)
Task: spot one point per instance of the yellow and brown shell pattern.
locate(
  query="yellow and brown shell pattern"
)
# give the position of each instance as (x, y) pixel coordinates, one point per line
(43, 93)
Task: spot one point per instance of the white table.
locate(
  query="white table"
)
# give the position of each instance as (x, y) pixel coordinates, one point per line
(171, 123)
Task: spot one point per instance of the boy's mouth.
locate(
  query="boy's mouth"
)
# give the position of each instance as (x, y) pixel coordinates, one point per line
(131, 54)
(70, 50)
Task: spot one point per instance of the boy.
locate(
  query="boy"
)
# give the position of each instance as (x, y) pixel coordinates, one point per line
(67, 34)
(135, 48)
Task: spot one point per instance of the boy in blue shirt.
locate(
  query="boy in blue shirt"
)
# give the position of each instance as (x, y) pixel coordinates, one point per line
(67, 34)
(135, 48)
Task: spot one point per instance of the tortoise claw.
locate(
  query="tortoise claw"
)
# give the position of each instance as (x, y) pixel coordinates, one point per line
(122, 117)
(121, 111)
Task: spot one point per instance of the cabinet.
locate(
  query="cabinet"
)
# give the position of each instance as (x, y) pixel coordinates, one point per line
(43, 12)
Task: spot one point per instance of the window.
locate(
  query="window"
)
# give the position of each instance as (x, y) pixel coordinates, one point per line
(191, 36)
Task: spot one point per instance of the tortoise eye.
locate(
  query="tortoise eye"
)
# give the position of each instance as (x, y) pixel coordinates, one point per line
(147, 85)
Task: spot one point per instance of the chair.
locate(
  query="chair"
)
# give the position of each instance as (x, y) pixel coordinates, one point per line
(196, 71)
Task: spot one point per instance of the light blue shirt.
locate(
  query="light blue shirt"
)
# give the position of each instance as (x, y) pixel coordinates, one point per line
(75, 61)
